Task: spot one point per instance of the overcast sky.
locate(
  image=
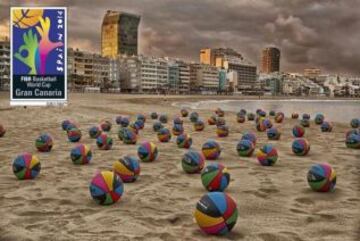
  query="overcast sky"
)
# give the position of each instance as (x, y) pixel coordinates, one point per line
(318, 33)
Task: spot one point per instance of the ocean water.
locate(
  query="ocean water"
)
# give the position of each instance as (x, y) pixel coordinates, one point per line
(334, 110)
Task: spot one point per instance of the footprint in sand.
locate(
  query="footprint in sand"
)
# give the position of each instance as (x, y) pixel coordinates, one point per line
(304, 200)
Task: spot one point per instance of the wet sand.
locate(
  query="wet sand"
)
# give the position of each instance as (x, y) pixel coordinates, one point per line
(275, 203)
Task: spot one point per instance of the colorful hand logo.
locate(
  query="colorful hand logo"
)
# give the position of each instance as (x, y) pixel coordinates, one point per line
(30, 45)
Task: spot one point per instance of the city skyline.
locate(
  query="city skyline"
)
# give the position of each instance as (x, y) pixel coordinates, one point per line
(181, 29)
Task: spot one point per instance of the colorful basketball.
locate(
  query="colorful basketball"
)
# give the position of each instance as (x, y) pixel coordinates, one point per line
(26, 166)
(194, 116)
(294, 115)
(279, 117)
(129, 136)
(322, 178)
(300, 147)
(118, 119)
(121, 133)
(74, 134)
(267, 155)
(306, 116)
(216, 213)
(147, 152)
(177, 129)
(104, 142)
(260, 125)
(305, 122)
(272, 113)
(81, 154)
(44, 143)
(326, 126)
(163, 118)
(273, 134)
(249, 136)
(184, 141)
(355, 123)
(298, 131)
(193, 162)
(128, 168)
(26, 18)
(222, 131)
(106, 188)
(212, 120)
(215, 177)
(164, 135)
(261, 113)
(267, 123)
(353, 131)
(242, 112)
(178, 121)
(134, 127)
(124, 121)
(245, 148)
(141, 117)
(68, 124)
(353, 141)
(219, 112)
(2, 130)
(184, 112)
(105, 126)
(199, 125)
(153, 115)
(251, 116)
(220, 121)
(240, 118)
(139, 124)
(211, 150)
(94, 132)
(319, 119)
(157, 126)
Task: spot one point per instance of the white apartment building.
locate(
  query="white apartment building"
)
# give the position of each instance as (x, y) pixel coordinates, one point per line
(4, 64)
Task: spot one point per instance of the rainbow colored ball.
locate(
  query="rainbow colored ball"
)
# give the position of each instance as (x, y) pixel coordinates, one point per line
(128, 168)
(74, 134)
(267, 155)
(319, 119)
(300, 147)
(184, 141)
(139, 124)
(353, 131)
(134, 128)
(106, 188)
(184, 112)
(118, 119)
(294, 115)
(267, 123)
(129, 136)
(215, 177)
(157, 126)
(211, 150)
(153, 115)
(94, 132)
(219, 112)
(44, 143)
(2, 130)
(322, 178)
(245, 148)
(240, 118)
(222, 131)
(260, 125)
(121, 133)
(298, 131)
(249, 136)
(26, 166)
(305, 122)
(251, 116)
(193, 162)
(163, 118)
(124, 121)
(326, 126)
(273, 134)
(355, 123)
(147, 151)
(353, 141)
(306, 116)
(177, 129)
(272, 113)
(199, 125)
(164, 135)
(212, 120)
(67, 124)
(243, 112)
(81, 154)
(104, 142)
(220, 121)
(194, 116)
(216, 213)
(178, 121)
(105, 126)
(261, 113)
(141, 117)
(279, 117)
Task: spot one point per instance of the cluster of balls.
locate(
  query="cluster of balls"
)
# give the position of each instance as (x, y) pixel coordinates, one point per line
(352, 139)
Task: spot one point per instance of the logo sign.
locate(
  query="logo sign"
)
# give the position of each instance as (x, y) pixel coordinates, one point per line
(38, 56)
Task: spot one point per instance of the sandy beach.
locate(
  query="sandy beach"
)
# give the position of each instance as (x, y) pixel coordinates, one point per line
(274, 203)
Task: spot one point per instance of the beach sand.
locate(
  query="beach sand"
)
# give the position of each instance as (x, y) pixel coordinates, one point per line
(274, 203)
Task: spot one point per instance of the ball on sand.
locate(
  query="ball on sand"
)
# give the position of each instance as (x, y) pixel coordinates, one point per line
(94, 132)
(2, 130)
(353, 141)
(243, 112)
(212, 120)
(220, 112)
(199, 125)
(305, 122)
(267, 155)
(216, 213)
(184, 112)
(273, 134)
(220, 121)
(240, 118)
(279, 117)
(261, 113)
(260, 125)
(177, 129)
(300, 147)
(104, 142)
(128, 168)
(129, 136)
(194, 116)
(322, 178)
(74, 134)
(267, 123)
(26, 166)
(298, 131)
(215, 177)
(81, 154)
(44, 143)
(306, 116)
(222, 131)
(249, 136)
(153, 115)
(105, 126)
(245, 148)
(164, 135)
(118, 119)
(178, 121)
(163, 118)
(139, 124)
(67, 124)
(193, 162)
(294, 115)
(106, 188)
(157, 126)
(147, 151)
(184, 141)
(272, 113)
(124, 121)
(211, 150)
(141, 117)
(326, 126)
(355, 123)
(319, 119)
(353, 131)
(251, 116)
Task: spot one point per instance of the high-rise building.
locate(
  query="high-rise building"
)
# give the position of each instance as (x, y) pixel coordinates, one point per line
(204, 78)
(270, 60)
(119, 34)
(209, 56)
(4, 64)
